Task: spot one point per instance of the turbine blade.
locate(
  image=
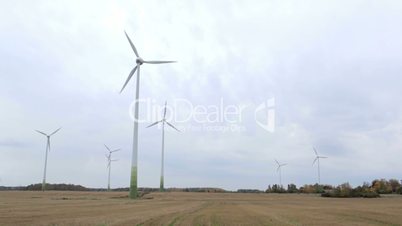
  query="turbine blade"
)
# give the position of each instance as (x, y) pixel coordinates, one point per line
(277, 162)
(315, 160)
(48, 144)
(172, 126)
(55, 131)
(154, 124)
(316, 153)
(159, 62)
(323, 157)
(115, 150)
(132, 45)
(114, 160)
(107, 147)
(129, 77)
(41, 132)
(164, 112)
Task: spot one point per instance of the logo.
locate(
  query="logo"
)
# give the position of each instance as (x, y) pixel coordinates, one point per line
(264, 115)
(221, 117)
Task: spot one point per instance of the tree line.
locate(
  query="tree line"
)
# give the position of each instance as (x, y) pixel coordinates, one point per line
(367, 190)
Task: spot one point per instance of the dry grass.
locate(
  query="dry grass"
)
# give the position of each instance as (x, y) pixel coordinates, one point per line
(114, 208)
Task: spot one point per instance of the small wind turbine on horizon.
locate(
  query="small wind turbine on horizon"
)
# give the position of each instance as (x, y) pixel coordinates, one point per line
(279, 170)
(163, 121)
(47, 150)
(134, 162)
(109, 163)
(317, 159)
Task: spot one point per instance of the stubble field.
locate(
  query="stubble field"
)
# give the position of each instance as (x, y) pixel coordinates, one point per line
(180, 208)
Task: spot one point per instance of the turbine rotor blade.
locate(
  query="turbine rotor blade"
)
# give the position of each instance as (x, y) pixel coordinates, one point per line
(277, 162)
(164, 112)
(315, 160)
(323, 157)
(154, 123)
(129, 77)
(132, 45)
(48, 144)
(316, 153)
(172, 126)
(107, 147)
(115, 150)
(55, 131)
(41, 132)
(159, 61)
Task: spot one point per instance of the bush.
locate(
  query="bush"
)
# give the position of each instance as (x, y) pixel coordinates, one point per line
(346, 191)
(249, 191)
(292, 188)
(316, 188)
(275, 189)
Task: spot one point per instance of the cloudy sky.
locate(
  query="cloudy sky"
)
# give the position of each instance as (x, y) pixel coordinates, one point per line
(332, 67)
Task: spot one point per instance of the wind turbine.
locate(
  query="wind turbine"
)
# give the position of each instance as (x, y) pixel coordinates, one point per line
(139, 61)
(317, 159)
(279, 170)
(163, 121)
(47, 150)
(109, 164)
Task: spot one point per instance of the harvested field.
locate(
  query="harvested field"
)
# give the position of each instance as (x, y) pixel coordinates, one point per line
(181, 208)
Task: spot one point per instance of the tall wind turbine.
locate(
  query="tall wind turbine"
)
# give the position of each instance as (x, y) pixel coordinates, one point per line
(47, 150)
(279, 170)
(163, 121)
(317, 159)
(139, 61)
(109, 164)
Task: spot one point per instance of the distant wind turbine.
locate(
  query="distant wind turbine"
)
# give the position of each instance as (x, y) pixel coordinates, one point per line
(134, 162)
(109, 164)
(163, 121)
(47, 150)
(279, 170)
(317, 159)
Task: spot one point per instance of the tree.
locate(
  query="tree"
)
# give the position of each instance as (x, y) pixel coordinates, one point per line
(381, 186)
(395, 185)
(292, 188)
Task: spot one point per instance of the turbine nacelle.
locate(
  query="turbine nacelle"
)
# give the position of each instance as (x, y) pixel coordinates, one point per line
(139, 61)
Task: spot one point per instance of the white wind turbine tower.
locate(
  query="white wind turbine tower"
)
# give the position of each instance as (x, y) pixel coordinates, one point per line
(47, 150)
(279, 170)
(163, 121)
(139, 61)
(317, 159)
(109, 164)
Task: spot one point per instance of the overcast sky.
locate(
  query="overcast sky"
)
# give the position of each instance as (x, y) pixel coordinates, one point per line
(333, 68)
